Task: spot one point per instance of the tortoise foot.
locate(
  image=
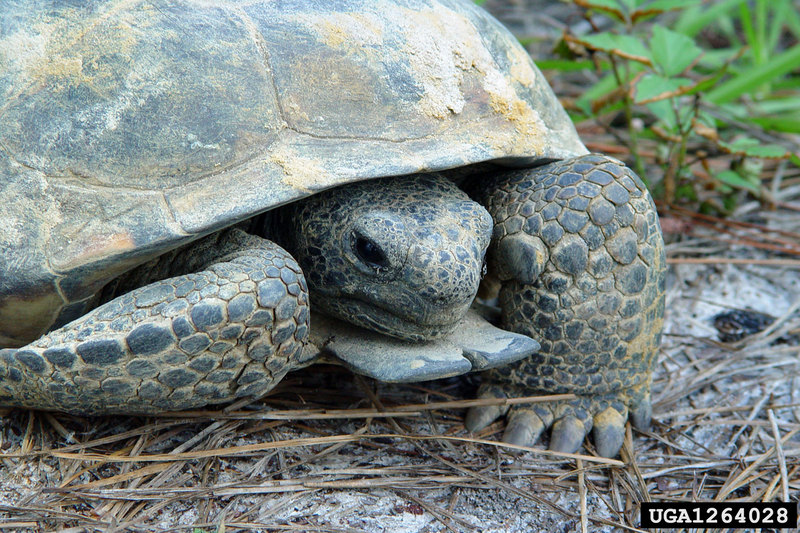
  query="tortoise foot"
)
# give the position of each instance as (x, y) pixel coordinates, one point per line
(579, 255)
(228, 331)
(569, 421)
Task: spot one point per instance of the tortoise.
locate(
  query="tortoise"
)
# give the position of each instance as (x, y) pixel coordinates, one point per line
(181, 180)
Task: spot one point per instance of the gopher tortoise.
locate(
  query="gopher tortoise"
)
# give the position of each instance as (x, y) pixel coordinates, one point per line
(180, 179)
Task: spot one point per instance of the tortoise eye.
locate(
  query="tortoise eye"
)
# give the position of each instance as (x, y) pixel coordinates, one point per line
(369, 252)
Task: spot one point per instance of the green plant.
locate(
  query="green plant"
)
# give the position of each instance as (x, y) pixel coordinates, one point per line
(658, 64)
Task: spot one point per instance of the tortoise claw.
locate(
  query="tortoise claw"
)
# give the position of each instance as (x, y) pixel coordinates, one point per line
(479, 417)
(642, 412)
(568, 434)
(524, 428)
(608, 432)
(569, 421)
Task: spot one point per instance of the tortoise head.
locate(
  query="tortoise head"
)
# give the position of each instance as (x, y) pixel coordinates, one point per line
(401, 256)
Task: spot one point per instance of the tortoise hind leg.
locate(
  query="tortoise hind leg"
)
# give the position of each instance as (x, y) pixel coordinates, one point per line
(231, 330)
(580, 257)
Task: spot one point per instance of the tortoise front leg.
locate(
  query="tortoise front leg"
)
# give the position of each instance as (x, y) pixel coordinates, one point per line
(231, 330)
(579, 253)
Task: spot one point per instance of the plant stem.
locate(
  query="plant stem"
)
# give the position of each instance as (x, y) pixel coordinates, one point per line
(677, 160)
(627, 102)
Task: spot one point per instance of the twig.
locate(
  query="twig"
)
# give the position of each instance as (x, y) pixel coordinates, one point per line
(781, 457)
(582, 496)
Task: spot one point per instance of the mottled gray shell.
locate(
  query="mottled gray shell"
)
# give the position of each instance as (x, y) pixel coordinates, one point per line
(130, 127)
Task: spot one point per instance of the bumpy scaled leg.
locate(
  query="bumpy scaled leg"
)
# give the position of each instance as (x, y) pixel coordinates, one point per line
(231, 330)
(580, 256)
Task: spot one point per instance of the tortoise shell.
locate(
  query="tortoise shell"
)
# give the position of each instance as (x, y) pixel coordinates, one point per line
(131, 127)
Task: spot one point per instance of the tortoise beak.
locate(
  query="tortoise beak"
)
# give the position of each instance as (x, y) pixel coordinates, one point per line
(474, 345)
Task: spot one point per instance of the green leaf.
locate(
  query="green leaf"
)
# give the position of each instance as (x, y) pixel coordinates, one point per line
(666, 5)
(655, 87)
(786, 124)
(717, 58)
(687, 192)
(706, 83)
(622, 45)
(672, 52)
(595, 92)
(791, 83)
(779, 113)
(772, 151)
(614, 8)
(791, 18)
(646, 9)
(692, 22)
(564, 65)
(747, 81)
(774, 115)
(729, 177)
(615, 5)
(664, 113)
(750, 147)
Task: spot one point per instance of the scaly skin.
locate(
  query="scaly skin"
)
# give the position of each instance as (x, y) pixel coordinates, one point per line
(232, 329)
(429, 241)
(578, 249)
(228, 316)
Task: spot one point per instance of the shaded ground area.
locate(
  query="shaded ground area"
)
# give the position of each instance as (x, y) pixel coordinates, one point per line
(328, 451)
